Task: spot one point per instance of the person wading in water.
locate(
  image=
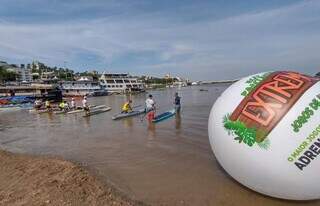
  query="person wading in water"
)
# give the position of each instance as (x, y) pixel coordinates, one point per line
(177, 102)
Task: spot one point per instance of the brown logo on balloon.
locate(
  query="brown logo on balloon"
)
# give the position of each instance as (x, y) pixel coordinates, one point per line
(266, 104)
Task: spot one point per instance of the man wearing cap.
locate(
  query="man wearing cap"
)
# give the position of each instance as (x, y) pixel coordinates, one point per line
(150, 108)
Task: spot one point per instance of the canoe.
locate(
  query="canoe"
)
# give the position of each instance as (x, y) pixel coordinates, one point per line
(164, 116)
(129, 114)
(98, 111)
(91, 107)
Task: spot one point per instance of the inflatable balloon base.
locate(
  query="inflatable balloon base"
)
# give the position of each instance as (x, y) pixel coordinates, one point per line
(265, 132)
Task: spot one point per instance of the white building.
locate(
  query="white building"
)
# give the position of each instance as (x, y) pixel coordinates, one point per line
(24, 74)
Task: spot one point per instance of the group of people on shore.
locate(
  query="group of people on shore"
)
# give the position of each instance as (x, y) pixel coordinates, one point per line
(150, 106)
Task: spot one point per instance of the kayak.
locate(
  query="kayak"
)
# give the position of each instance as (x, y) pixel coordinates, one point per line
(164, 116)
(81, 110)
(129, 114)
(98, 111)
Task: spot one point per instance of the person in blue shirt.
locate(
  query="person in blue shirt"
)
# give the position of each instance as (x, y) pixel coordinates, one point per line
(177, 102)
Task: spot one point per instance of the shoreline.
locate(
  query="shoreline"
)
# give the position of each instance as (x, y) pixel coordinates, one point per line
(40, 180)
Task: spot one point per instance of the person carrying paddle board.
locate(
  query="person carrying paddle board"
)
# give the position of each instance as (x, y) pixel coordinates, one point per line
(126, 107)
(177, 102)
(150, 108)
(85, 105)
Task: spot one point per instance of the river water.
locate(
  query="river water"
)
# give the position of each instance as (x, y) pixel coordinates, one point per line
(169, 163)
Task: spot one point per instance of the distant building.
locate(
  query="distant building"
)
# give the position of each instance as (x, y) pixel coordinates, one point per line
(47, 75)
(23, 73)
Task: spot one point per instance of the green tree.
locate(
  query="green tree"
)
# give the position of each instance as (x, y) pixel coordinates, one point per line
(7, 75)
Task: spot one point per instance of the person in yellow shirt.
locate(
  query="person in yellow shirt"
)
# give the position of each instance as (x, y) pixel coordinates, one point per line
(127, 107)
(61, 105)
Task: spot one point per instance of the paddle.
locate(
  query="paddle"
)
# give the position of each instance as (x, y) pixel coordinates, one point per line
(142, 118)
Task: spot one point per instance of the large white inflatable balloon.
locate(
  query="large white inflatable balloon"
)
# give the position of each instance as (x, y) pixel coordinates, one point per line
(265, 132)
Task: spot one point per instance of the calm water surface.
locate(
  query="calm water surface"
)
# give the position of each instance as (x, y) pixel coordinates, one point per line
(170, 163)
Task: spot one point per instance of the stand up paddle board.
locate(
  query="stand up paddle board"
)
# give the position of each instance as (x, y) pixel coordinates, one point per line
(98, 111)
(129, 114)
(164, 116)
(81, 110)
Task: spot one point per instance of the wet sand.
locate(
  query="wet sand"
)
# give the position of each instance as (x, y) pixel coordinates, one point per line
(29, 180)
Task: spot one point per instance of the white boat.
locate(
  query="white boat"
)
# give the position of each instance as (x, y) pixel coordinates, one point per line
(82, 88)
(120, 83)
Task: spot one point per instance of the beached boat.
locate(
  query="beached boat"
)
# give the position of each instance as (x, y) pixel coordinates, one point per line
(164, 116)
(129, 114)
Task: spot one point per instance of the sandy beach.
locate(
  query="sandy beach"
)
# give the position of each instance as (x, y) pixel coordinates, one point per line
(31, 180)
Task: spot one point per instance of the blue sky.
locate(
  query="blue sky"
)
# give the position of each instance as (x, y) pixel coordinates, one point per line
(199, 40)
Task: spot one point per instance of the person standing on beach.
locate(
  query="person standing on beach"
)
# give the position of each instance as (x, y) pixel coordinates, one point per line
(85, 105)
(177, 102)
